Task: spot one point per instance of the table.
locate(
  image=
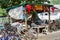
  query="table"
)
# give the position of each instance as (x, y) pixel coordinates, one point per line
(38, 28)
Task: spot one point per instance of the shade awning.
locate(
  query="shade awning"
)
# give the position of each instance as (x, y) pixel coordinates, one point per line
(57, 6)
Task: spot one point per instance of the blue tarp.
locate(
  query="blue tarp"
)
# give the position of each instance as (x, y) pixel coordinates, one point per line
(1, 27)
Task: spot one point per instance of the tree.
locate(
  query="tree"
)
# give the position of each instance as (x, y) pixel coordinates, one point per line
(55, 1)
(8, 3)
(3, 12)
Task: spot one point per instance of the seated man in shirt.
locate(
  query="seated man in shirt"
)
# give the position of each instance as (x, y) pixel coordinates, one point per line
(33, 24)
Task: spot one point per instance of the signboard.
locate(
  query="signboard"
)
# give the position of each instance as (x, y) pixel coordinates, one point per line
(38, 7)
(53, 16)
(41, 8)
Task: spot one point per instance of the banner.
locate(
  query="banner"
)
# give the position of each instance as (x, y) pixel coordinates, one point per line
(17, 13)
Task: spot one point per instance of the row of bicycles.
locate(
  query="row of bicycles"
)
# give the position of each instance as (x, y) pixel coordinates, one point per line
(12, 33)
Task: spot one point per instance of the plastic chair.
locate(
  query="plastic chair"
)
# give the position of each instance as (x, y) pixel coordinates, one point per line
(44, 31)
(33, 34)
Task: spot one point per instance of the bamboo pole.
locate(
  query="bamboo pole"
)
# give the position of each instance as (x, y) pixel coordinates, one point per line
(9, 18)
(26, 26)
(49, 20)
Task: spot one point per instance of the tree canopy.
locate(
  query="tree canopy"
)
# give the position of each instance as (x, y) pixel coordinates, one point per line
(10, 3)
(55, 1)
